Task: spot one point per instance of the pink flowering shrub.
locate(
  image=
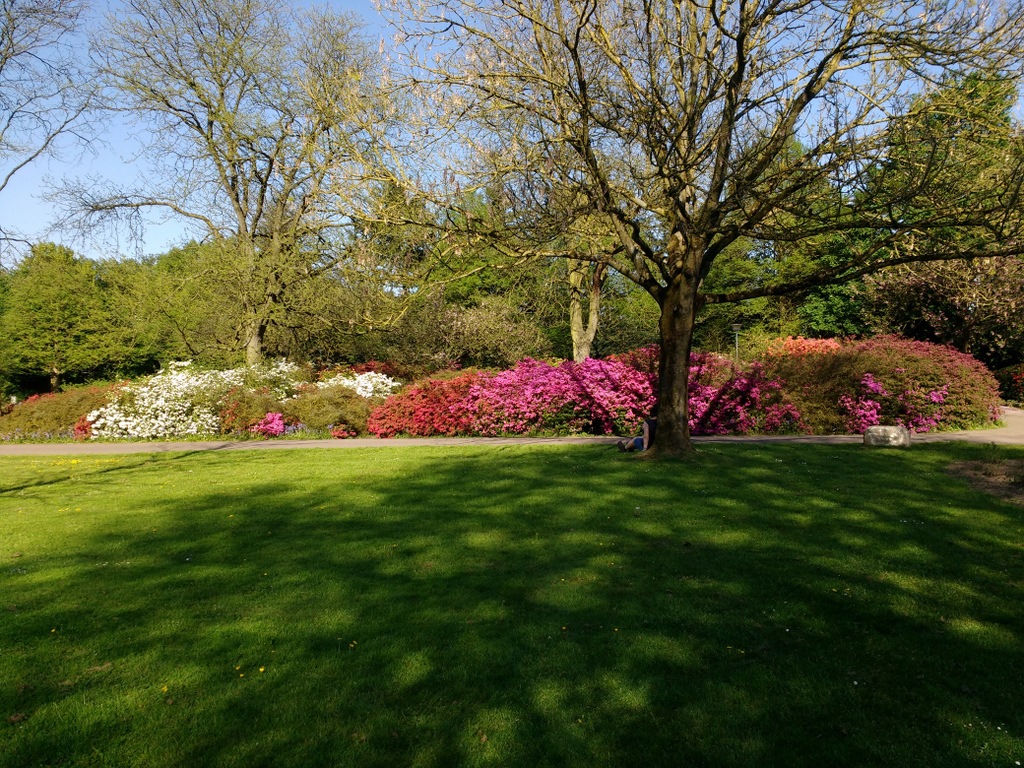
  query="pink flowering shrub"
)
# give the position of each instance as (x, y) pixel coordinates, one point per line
(596, 397)
(914, 408)
(918, 373)
(820, 388)
(271, 425)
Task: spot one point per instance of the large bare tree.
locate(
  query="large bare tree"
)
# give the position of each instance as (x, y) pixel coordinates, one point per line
(43, 89)
(688, 124)
(257, 117)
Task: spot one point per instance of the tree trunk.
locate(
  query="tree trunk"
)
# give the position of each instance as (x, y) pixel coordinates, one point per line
(54, 380)
(580, 291)
(254, 344)
(678, 311)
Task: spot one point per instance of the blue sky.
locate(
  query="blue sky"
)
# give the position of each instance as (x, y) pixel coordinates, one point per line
(23, 208)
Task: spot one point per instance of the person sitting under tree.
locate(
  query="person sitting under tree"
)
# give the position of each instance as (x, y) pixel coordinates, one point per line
(643, 442)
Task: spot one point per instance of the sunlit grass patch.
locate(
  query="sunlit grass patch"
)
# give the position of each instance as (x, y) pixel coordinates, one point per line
(759, 605)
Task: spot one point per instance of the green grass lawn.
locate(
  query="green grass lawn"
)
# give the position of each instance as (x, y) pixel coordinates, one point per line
(776, 605)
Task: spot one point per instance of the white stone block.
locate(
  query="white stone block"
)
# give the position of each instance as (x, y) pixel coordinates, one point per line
(887, 437)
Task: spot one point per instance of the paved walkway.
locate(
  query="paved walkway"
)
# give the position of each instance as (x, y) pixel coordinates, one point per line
(1012, 433)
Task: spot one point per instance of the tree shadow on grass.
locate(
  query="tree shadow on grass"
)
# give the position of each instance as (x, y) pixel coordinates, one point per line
(86, 468)
(762, 605)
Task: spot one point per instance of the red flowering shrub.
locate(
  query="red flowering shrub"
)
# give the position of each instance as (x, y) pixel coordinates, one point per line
(800, 346)
(83, 428)
(426, 408)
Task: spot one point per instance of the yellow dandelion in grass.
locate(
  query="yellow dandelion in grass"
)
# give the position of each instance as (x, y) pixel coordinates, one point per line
(262, 668)
(164, 689)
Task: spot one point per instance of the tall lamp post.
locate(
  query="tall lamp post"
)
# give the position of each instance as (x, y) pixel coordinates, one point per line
(736, 332)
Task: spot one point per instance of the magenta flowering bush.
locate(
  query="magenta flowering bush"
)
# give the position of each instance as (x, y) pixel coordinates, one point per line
(818, 388)
(598, 397)
(914, 408)
(595, 397)
(913, 370)
(271, 425)
(726, 401)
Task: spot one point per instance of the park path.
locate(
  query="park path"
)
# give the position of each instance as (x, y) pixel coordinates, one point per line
(1011, 433)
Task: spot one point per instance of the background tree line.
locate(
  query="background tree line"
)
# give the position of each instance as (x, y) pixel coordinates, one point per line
(65, 319)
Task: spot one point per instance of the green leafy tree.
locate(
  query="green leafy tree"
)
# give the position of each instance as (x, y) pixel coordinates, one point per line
(6, 386)
(56, 322)
(975, 305)
(260, 117)
(629, 317)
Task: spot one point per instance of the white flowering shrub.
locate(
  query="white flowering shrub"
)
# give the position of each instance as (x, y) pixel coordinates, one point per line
(281, 378)
(368, 384)
(181, 401)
